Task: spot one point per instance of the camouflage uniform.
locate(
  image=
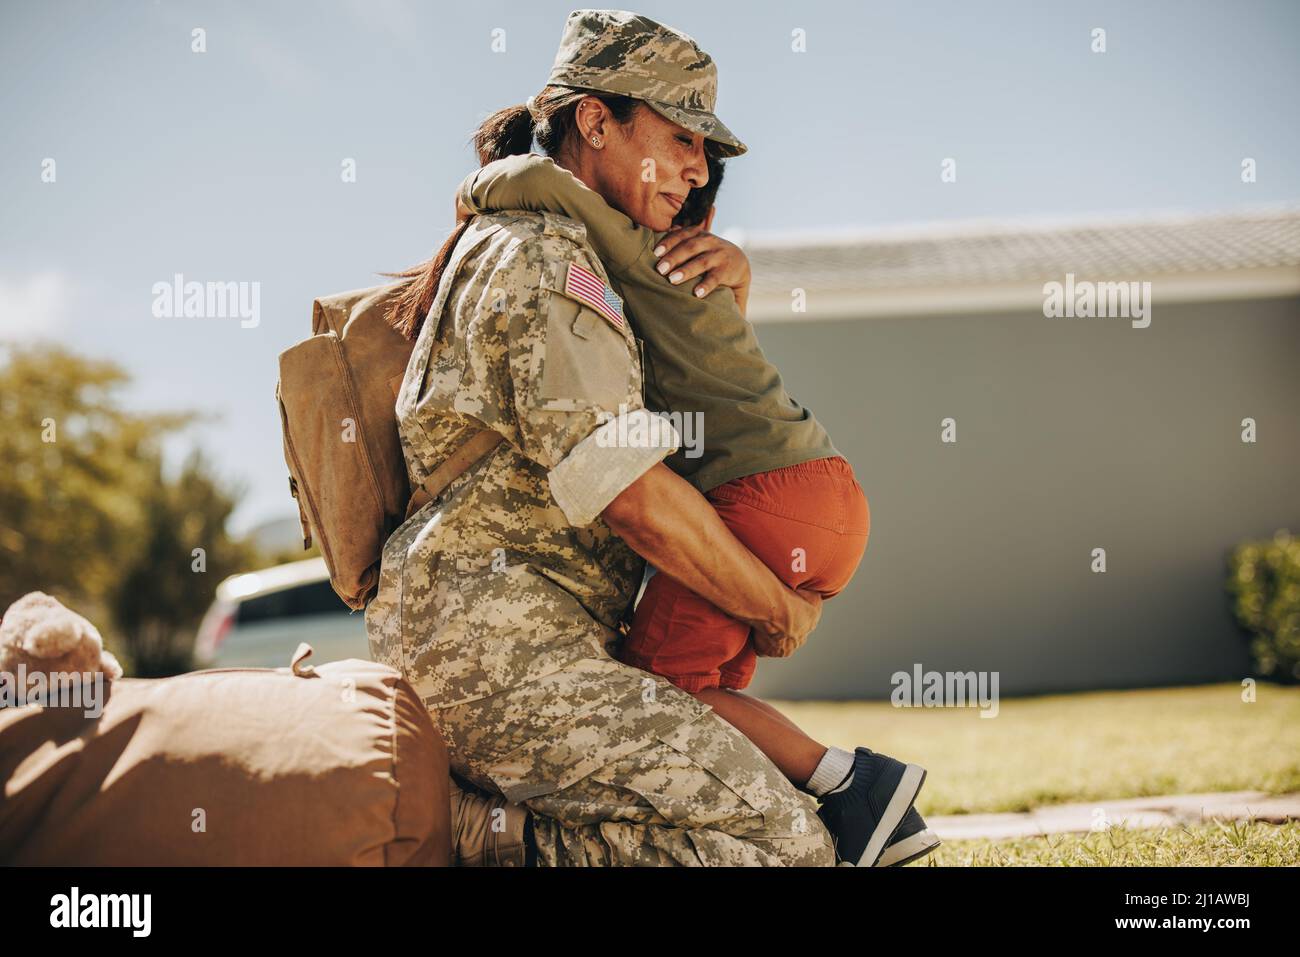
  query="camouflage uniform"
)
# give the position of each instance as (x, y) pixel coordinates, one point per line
(500, 600)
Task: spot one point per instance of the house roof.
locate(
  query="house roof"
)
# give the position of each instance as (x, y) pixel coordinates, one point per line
(985, 265)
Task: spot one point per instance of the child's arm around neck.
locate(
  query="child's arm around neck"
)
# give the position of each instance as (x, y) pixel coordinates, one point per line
(535, 183)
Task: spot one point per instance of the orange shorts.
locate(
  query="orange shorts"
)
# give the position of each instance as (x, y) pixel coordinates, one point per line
(807, 522)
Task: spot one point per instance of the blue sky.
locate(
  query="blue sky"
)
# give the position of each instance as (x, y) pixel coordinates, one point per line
(225, 165)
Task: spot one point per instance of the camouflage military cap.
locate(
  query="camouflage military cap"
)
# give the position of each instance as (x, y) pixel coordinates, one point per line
(614, 51)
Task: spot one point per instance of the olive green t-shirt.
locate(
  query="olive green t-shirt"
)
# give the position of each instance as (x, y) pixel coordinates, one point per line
(702, 362)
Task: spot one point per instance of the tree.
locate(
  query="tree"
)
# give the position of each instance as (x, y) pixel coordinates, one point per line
(169, 579)
(87, 515)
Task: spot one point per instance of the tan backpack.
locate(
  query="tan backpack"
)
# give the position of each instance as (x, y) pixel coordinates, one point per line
(337, 393)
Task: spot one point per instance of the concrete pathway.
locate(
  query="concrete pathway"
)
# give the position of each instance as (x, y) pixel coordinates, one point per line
(1165, 811)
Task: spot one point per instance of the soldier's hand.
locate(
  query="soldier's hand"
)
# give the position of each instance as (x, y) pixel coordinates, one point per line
(803, 612)
(767, 646)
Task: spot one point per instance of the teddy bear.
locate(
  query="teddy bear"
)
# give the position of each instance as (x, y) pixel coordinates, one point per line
(41, 633)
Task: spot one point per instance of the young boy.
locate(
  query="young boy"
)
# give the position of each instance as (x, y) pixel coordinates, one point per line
(774, 477)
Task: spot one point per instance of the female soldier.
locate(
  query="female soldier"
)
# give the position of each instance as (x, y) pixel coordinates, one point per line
(501, 600)
(768, 466)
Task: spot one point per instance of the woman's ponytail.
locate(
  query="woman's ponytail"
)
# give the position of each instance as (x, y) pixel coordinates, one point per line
(507, 132)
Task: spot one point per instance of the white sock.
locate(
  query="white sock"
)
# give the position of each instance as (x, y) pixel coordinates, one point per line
(834, 772)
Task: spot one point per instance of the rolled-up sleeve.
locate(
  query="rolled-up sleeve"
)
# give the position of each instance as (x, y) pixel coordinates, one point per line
(607, 461)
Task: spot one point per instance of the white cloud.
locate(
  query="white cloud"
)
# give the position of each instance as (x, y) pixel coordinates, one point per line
(33, 306)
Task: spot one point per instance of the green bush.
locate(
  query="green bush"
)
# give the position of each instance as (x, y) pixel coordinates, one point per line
(89, 514)
(1264, 582)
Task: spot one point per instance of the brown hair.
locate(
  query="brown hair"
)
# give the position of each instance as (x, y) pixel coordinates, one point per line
(700, 198)
(507, 132)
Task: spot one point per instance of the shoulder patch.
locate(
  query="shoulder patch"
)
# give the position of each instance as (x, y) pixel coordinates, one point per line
(586, 287)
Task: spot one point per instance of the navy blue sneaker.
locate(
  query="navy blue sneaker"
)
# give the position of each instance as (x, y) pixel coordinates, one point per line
(912, 840)
(863, 817)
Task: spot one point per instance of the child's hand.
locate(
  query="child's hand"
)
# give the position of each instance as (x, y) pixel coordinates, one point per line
(694, 251)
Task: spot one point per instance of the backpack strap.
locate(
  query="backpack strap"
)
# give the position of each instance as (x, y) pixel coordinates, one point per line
(453, 467)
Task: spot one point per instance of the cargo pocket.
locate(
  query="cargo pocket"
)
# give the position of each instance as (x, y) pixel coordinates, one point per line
(720, 760)
(586, 717)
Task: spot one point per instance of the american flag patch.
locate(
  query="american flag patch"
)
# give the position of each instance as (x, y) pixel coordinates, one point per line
(585, 286)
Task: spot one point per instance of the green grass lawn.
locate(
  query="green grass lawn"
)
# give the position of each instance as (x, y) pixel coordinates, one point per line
(1079, 747)
(1209, 844)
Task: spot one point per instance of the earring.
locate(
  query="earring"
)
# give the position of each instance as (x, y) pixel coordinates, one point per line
(595, 141)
